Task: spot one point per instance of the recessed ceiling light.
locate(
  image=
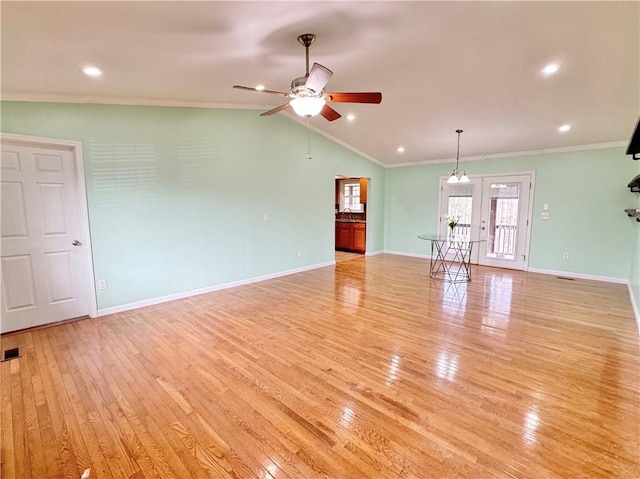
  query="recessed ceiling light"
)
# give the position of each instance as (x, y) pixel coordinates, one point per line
(551, 68)
(260, 87)
(401, 149)
(564, 128)
(351, 117)
(91, 71)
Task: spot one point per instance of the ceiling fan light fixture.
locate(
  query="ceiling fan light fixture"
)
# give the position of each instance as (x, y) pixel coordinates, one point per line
(308, 105)
(453, 179)
(464, 178)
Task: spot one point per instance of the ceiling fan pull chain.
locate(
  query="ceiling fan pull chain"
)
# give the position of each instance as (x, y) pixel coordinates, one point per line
(308, 140)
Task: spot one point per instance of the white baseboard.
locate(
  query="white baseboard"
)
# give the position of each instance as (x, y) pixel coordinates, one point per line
(209, 289)
(373, 253)
(634, 306)
(567, 274)
(402, 253)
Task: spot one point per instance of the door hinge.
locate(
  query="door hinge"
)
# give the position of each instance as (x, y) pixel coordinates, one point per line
(529, 185)
(527, 222)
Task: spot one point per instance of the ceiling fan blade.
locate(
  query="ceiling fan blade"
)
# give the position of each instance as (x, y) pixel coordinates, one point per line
(275, 110)
(318, 77)
(329, 113)
(273, 92)
(358, 97)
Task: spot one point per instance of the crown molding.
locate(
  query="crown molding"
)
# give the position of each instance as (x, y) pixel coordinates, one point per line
(100, 100)
(541, 151)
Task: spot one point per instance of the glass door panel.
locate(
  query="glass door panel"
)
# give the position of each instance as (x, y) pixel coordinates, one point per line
(503, 220)
(460, 207)
(462, 202)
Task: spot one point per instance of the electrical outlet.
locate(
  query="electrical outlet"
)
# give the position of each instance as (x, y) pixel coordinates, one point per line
(102, 284)
(544, 216)
(299, 253)
(565, 256)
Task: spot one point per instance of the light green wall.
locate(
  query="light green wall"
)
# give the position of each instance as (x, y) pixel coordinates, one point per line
(177, 195)
(586, 192)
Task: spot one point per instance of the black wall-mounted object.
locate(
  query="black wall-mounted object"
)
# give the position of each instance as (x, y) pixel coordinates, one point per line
(634, 185)
(633, 214)
(634, 144)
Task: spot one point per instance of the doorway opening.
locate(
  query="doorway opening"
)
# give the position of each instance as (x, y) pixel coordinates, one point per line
(350, 206)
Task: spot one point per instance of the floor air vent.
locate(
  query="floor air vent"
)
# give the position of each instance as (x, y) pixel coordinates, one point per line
(10, 354)
(565, 278)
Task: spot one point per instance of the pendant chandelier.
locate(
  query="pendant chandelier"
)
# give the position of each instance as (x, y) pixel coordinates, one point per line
(457, 175)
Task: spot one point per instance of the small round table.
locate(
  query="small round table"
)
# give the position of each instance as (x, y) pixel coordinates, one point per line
(451, 257)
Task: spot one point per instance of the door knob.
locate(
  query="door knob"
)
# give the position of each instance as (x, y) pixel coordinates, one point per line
(482, 228)
(76, 243)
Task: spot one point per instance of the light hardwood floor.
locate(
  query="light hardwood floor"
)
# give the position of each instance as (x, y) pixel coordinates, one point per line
(366, 370)
(346, 256)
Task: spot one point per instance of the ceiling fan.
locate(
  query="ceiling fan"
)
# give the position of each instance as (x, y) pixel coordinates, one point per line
(307, 94)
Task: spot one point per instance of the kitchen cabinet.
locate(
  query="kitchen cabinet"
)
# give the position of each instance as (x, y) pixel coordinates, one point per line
(363, 190)
(351, 236)
(359, 237)
(343, 235)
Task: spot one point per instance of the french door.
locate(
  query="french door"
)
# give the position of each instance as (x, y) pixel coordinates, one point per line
(494, 209)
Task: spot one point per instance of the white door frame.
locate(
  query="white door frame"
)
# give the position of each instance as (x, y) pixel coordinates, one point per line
(76, 149)
(532, 174)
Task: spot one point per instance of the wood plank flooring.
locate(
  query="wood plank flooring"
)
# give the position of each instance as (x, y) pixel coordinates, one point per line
(346, 256)
(366, 370)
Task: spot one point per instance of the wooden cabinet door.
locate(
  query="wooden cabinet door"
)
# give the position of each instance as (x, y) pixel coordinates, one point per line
(343, 236)
(359, 237)
(364, 183)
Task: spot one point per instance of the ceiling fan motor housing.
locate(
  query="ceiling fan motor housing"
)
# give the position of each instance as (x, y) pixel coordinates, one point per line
(299, 82)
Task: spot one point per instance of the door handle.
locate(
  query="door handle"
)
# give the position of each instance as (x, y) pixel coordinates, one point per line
(76, 243)
(482, 228)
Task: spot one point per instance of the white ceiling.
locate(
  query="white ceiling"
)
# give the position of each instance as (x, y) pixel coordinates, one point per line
(440, 65)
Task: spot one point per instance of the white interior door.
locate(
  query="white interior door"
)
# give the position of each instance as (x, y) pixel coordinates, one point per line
(504, 221)
(494, 209)
(43, 269)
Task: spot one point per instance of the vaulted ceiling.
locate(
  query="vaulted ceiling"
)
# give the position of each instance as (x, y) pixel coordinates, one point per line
(440, 65)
